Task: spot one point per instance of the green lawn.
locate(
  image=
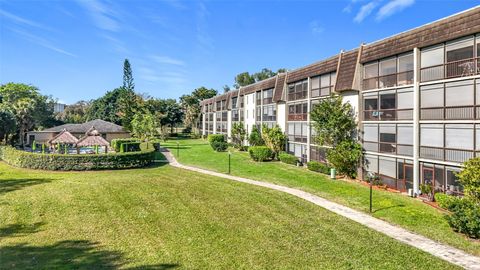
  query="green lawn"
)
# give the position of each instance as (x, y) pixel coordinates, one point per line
(395, 208)
(164, 217)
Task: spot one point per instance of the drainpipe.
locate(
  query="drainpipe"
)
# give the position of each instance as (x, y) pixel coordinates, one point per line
(416, 121)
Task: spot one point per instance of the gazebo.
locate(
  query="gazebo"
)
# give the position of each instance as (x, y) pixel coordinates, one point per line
(65, 138)
(92, 138)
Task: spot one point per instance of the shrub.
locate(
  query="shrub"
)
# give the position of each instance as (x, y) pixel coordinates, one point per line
(216, 138)
(274, 139)
(238, 135)
(470, 180)
(288, 158)
(219, 146)
(131, 147)
(75, 162)
(115, 143)
(318, 167)
(255, 138)
(345, 157)
(260, 153)
(465, 217)
(195, 135)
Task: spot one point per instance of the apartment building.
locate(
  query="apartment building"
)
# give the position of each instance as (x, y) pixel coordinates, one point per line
(416, 96)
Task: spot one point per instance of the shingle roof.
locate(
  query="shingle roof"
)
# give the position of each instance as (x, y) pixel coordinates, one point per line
(100, 125)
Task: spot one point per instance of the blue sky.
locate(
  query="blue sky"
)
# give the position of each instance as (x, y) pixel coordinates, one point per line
(74, 50)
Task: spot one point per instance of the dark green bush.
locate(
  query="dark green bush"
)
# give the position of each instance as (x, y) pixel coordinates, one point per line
(216, 138)
(115, 143)
(219, 146)
(260, 153)
(318, 167)
(465, 217)
(75, 162)
(288, 158)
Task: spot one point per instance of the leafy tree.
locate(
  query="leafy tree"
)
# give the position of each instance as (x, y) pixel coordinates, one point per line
(243, 79)
(265, 73)
(31, 109)
(127, 76)
(334, 121)
(238, 134)
(74, 113)
(274, 139)
(166, 111)
(144, 126)
(8, 125)
(255, 138)
(226, 89)
(345, 157)
(191, 105)
(470, 179)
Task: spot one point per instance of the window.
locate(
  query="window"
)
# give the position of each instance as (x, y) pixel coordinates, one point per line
(459, 93)
(387, 67)
(371, 71)
(405, 134)
(234, 102)
(388, 171)
(315, 87)
(459, 136)
(388, 105)
(431, 96)
(405, 69)
(453, 184)
(298, 90)
(371, 163)
(431, 135)
(459, 49)
(477, 139)
(267, 96)
(388, 138)
(370, 133)
(432, 56)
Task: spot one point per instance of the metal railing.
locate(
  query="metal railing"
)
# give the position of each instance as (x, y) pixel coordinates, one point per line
(446, 154)
(390, 80)
(450, 113)
(460, 68)
(297, 117)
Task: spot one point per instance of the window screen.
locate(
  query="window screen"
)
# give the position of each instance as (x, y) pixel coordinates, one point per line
(431, 135)
(459, 136)
(459, 93)
(370, 133)
(431, 96)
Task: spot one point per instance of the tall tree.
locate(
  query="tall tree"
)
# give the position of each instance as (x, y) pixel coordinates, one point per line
(265, 73)
(191, 105)
(226, 89)
(144, 125)
(74, 113)
(127, 76)
(31, 109)
(166, 111)
(243, 79)
(8, 125)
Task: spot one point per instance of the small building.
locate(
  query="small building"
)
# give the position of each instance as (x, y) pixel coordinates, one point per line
(108, 131)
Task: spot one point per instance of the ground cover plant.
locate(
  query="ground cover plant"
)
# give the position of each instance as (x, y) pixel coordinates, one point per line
(395, 208)
(168, 218)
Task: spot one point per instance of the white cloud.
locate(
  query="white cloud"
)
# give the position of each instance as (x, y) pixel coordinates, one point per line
(167, 60)
(41, 42)
(316, 28)
(104, 17)
(365, 11)
(19, 20)
(393, 7)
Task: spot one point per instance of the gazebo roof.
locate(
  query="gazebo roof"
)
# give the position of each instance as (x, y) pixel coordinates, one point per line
(64, 137)
(92, 137)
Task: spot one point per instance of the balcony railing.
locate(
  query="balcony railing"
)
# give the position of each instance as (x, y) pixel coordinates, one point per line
(460, 68)
(395, 114)
(450, 113)
(268, 100)
(446, 154)
(297, 95)
(297, 117)
(391, 80)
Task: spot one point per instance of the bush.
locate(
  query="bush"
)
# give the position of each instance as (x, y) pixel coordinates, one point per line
(318, 167)
(255, 138)
(345, 157)
(115, 143)
(288, 158)
(260, 153)
(216, 138)
(130, 147)
(219, 146)
(465, 217)
(75, 162)
(195, 135)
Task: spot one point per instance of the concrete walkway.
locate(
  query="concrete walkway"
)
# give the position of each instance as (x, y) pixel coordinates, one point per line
(442, 251)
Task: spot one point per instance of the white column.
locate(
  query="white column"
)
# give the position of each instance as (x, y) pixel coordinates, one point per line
(203, 123)
(308, 118)
(214, 123)
(416, 120)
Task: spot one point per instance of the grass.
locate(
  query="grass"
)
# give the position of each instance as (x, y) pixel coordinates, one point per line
(392, 207)
(165, 218)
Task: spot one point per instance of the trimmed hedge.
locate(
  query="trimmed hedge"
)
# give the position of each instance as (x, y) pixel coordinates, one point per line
(216, 138)
(260, 153)
(115, 143)
(288, 158)
(219, 146)
(318, 167)
(74, 162)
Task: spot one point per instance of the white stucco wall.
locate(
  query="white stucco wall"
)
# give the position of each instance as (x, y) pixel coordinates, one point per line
(229, 125)
(352, 98)
(281, 116)
(249, 101)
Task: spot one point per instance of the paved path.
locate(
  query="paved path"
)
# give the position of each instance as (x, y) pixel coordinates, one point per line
(442, 251)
